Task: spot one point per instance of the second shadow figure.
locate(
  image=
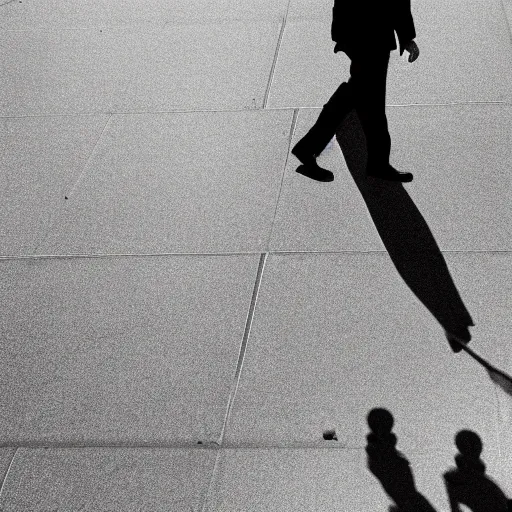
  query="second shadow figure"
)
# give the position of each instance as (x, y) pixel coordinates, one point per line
(390, 467)
(468, 483)
(364, 31)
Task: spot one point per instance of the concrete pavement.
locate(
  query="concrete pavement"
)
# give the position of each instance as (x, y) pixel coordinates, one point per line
(183, 315)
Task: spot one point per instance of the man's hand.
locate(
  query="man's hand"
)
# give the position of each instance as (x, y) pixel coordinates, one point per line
(413, 50)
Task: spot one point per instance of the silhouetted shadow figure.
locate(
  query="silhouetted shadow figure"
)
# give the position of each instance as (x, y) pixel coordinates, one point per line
(468, 484)
(406, 236)
(390, 467)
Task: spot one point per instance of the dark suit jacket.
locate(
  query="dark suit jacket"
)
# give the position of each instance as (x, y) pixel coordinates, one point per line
(370, 24)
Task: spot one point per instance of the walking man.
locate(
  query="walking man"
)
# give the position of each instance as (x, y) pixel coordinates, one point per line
(364, 31)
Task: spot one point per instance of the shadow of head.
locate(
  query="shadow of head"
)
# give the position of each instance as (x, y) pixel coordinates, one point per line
(468, 484)
(380, 420)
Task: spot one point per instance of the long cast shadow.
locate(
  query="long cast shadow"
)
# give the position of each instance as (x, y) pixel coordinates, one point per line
(405, 234)
(410, 243)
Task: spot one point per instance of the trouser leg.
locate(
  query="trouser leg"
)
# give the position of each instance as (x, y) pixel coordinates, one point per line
(366, 92)
(331, 116)
(368, 76)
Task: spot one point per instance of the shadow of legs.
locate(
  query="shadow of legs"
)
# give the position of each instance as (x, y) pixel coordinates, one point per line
(406, 236)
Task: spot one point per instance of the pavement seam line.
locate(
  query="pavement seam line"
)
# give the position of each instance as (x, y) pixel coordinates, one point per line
(244, 109)
(222, 254)
(55, 215)
(506, 20)
(234, 386)
(243, 347)
(278, 47)
(91, 154)
(7, 472)
(210, 446)
(290, 138)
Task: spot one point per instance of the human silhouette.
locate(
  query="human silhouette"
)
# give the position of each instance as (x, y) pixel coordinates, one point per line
(468, 484)
(390, 466)
(364, 31)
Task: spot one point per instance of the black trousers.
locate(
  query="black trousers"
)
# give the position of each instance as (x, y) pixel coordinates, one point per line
(366, 92)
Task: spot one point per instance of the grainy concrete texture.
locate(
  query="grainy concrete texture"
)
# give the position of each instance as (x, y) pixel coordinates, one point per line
(184, 317)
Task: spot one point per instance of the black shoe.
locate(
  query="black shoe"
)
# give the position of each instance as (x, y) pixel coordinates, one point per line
(389, 173)
(315, 172)
(310, 168)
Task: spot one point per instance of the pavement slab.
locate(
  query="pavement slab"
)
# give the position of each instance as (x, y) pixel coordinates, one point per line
(70, 71)
(304, 9)
(294, 479)
(335, 335)
(176, 182)
(190, 66)
(329, 479)
(120, 351)
(58, 14)
(92, 479)
(120, 69)
(41, 158)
